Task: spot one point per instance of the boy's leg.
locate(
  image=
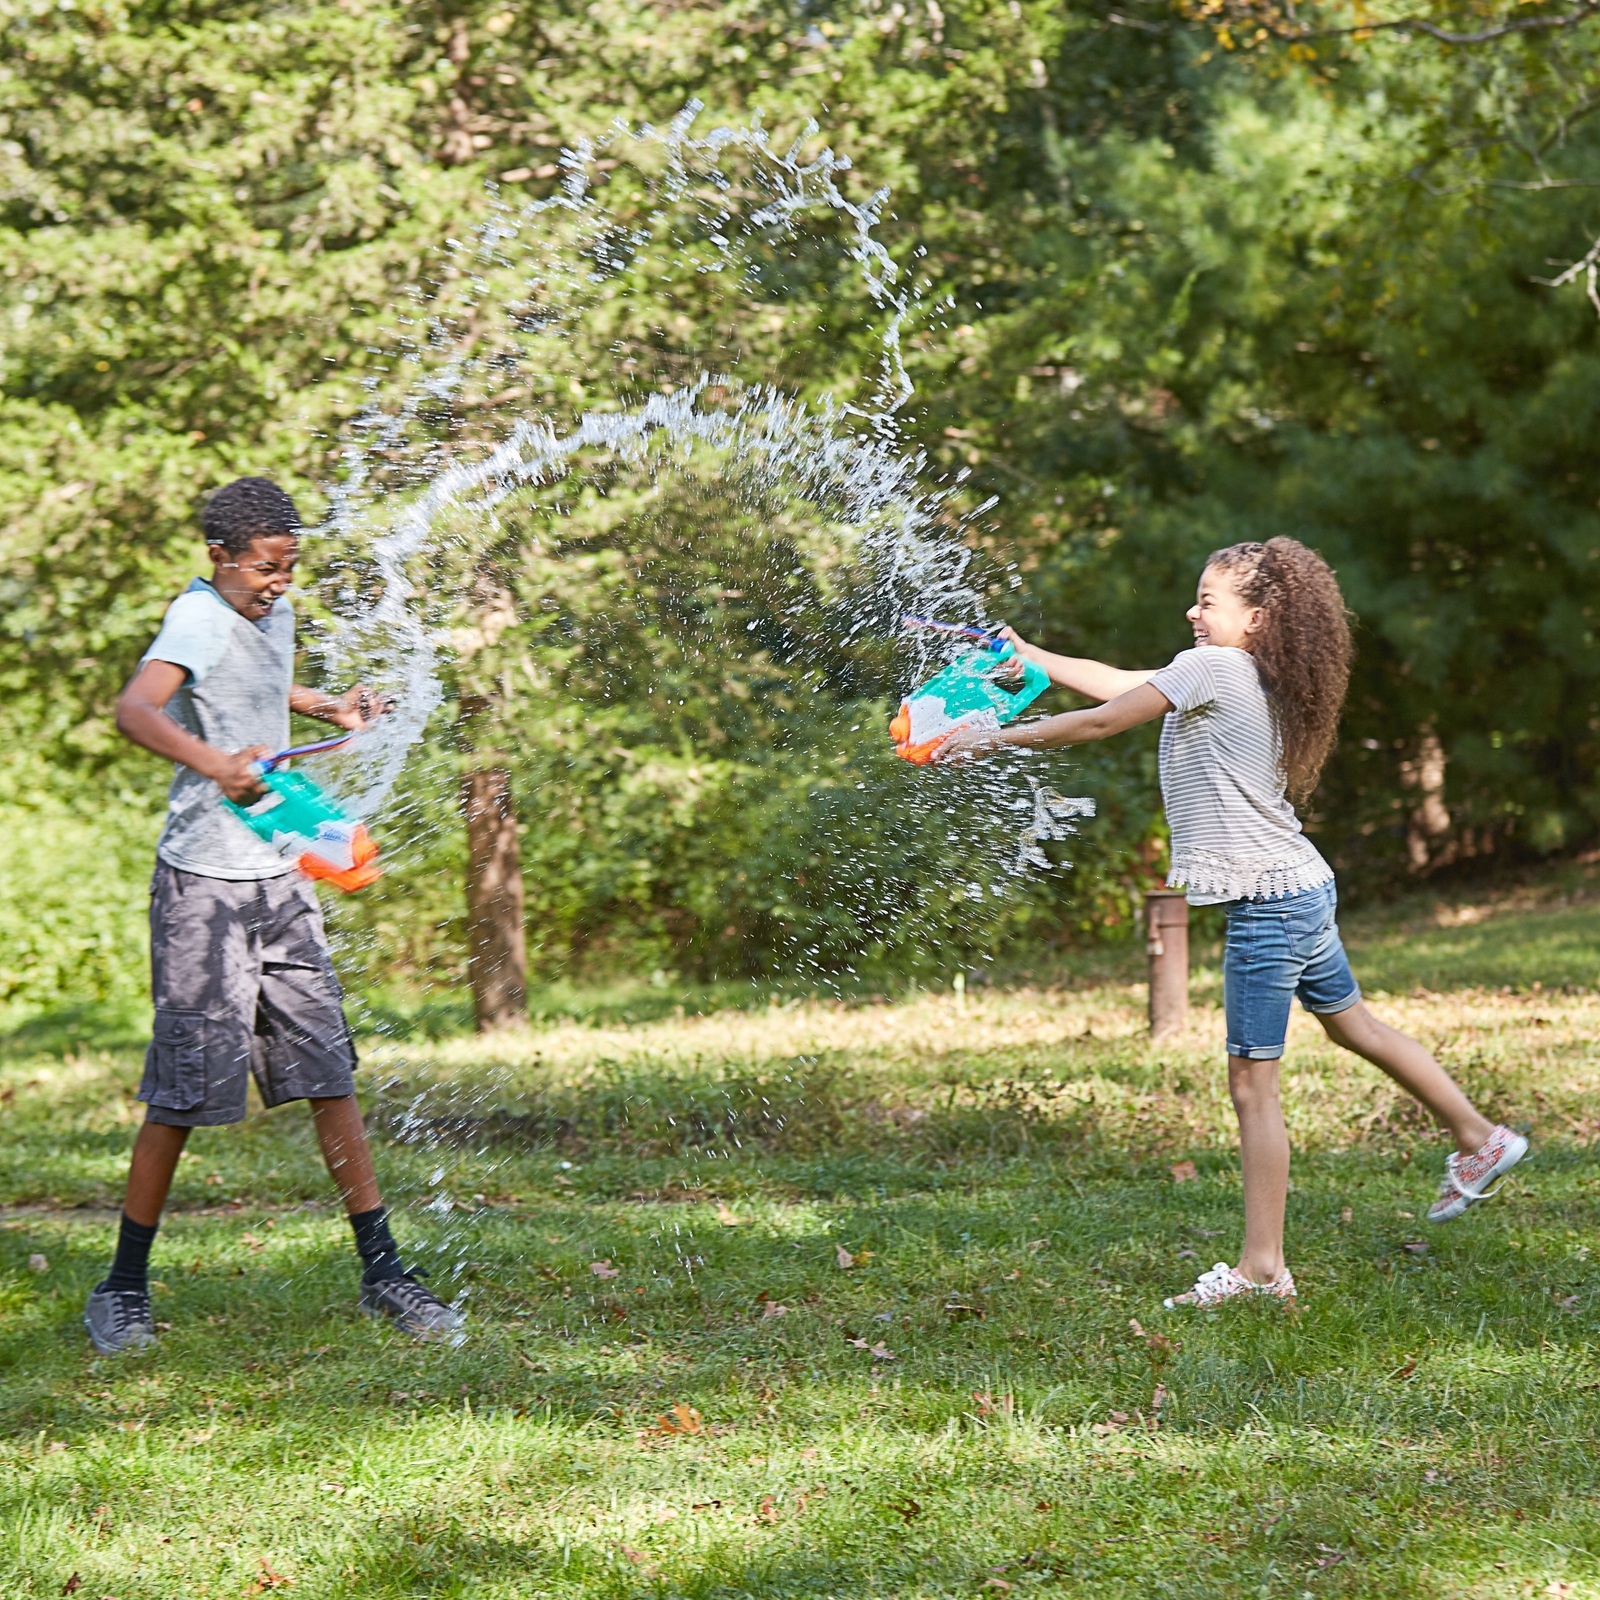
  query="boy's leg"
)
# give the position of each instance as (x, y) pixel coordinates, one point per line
(194, 1076)
(303, 1051)
(343, 1137)
(155, 1159)
(1414, 1069)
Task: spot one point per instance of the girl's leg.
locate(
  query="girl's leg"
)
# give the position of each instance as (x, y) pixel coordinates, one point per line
(1264, 1156)
(1413, 1068)
(155, 1159)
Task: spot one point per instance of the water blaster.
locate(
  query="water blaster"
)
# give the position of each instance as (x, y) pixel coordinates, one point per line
(981, 689)
(297, 818)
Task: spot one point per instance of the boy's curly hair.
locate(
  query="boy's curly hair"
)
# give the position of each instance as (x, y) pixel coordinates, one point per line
(1302, 649)
(247, 509)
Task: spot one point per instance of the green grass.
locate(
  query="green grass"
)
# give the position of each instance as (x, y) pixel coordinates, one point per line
(967, 1409)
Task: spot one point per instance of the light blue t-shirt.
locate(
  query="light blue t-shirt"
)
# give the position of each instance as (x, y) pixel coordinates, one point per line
(236, 695)
(195, 631)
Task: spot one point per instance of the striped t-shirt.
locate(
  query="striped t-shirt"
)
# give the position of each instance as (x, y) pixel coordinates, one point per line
(1234, 834)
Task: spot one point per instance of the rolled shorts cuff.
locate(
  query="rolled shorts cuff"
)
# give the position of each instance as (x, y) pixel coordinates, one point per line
(1257, 1052)
(1333, 1010)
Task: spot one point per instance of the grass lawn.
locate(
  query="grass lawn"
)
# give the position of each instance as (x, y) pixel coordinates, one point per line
(825, 1300)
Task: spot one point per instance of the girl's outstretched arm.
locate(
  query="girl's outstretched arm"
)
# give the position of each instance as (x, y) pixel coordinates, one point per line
(1093, 679)
(1141, 704)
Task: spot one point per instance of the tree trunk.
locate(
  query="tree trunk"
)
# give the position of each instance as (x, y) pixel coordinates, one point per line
(497, 959)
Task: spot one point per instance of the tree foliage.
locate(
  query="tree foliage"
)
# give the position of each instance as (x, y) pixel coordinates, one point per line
(1216, 269)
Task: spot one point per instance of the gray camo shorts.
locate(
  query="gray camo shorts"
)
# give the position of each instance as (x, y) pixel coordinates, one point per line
(243, 987)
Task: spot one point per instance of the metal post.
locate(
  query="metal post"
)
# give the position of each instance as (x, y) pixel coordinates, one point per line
(1166, 920)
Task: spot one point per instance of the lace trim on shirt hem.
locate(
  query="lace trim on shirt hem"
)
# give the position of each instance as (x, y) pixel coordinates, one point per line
(1247, 877)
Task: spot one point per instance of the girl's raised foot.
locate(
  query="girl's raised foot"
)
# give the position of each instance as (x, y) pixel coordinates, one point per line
(1467, 1178)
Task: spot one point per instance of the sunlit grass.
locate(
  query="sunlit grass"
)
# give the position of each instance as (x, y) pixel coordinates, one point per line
(967, 1407)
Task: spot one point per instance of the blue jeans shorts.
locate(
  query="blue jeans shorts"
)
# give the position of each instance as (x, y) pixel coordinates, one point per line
(1277, 949)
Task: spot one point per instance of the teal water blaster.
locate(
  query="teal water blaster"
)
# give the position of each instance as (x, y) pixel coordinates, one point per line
(297, 818)
(981, 689)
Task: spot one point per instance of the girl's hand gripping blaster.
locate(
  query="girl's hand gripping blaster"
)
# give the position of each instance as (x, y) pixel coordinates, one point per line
(981, 689)
(295, 817)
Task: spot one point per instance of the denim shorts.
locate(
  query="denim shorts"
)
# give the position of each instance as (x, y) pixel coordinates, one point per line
(1277, 949)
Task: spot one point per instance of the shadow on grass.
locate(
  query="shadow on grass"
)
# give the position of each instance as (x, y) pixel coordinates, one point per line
(74, 1029)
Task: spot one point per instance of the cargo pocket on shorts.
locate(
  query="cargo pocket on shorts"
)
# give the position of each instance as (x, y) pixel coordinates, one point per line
(175, 1064)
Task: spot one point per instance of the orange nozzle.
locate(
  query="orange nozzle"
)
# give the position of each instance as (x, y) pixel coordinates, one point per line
(919, 755)
(363, 871)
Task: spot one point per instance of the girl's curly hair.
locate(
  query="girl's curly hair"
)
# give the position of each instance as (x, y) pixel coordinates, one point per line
(1302, 649)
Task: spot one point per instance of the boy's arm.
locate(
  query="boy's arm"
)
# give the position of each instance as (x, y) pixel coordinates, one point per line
(353, 709)
(1091, 678)
(1141, 704)
(142, 717)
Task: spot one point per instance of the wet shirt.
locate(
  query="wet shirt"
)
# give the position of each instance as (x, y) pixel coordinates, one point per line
(236, 695)
(1234, 834)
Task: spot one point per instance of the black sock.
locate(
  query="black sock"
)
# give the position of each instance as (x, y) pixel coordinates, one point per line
(131, 1269)
(379, 1253)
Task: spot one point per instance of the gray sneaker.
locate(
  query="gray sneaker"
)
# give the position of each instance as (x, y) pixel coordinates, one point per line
(411, 1308)
(118, 1320)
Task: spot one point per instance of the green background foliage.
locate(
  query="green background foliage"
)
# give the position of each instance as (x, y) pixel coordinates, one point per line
(1209, 282)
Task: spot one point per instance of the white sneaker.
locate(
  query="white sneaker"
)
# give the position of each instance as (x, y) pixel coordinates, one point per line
(1467, 1178)
(1223, 1282)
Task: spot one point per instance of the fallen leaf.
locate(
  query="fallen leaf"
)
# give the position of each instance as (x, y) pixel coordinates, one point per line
(1347, 1215)
(1183, 1171)
(706, 1505)
(773, 1309)
(1043, 1505)
(1415, 1247)
(1570, 1303)
(255, 1244)
(997, 1583)
(846, 1260)
(38, 1263)
(1329, 1557)
(882, 1354)
(1187, 1255)
(810, 1453)
(906, 1509)
(1117, 1421)
(666, 1514)
(726, 1217)
(767, 1511)
(1557, 1589)
(806, 1496)
(638, 1558)
(1405, 1371)
(604, 1269)
(72, 1585)
(268, 1579)
(681, 1419)
(56, 1446)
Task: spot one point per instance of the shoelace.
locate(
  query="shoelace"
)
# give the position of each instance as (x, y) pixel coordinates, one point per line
(1215, 1278)
(127, 1307)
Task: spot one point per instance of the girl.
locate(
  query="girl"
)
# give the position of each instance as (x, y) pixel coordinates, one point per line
(1249, 718)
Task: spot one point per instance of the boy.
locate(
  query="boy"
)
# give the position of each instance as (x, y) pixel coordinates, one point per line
(241, 976)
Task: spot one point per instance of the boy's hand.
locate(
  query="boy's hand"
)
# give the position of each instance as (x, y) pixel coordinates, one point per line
(354, 710)
(234, 777)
